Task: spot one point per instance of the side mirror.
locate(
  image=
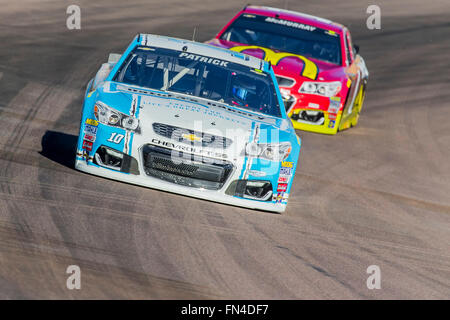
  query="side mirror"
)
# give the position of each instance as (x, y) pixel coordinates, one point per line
(114, 58)
(355, 48)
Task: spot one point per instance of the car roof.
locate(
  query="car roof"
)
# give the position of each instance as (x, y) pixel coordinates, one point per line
(295, 16)
(201, 49)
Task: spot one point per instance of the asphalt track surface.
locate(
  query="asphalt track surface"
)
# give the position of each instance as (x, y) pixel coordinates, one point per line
(378, 194)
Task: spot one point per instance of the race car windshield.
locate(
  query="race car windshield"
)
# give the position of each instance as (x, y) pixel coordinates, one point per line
(200, 76)
(285, 36)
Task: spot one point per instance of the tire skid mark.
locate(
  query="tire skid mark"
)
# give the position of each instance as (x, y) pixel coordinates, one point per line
(424, 204)
(308, 269)
(18, 132)
(295, 230)
(125, 281)
(14, 237)
(257, 228)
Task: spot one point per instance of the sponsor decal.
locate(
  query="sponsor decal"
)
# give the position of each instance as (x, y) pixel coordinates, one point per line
(92, 122)
(189, 149)
(309, 70)
(90, 129)
(331, 124)
(191, 137)
(85, 156)
(332, 116)
(313, 105)
(349, 83)
(204, 59)
(202, 108)
(335, 103)
(87, 145)
(259, 72)
(146, 48)
(331, 33)
(282, 187)
(243, 113)
(290, 24)
(257, 173)
(283, 179)
(90, 137)
(338, 99)
(287, 164)
(286, 171)
(279, 197)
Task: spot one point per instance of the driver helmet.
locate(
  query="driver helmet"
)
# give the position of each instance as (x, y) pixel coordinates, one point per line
(242, 87)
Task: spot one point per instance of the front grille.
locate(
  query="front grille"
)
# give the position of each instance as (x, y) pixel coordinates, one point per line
(167, 165)
(185, 169)
(179, 134)
(314, 118)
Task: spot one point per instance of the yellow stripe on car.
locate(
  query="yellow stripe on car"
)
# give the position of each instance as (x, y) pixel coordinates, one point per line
(310, 69)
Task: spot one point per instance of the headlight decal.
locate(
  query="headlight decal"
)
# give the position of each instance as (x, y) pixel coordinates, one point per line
(326, 89)
(270, 156)
(269, 151)
(114, 118)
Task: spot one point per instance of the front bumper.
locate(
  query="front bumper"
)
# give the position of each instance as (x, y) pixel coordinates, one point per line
(154, 183)
(152, 167)
(328, 126)
(298, 105)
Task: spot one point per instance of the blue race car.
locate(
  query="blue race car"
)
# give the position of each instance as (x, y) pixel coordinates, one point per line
(190, 118)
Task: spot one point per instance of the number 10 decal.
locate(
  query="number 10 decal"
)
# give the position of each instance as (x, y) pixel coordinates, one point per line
(115, 138)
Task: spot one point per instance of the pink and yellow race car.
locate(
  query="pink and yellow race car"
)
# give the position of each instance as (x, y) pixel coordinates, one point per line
(321, 76)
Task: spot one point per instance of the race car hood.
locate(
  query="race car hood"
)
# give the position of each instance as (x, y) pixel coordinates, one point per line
(291, 67)
(186, 112)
